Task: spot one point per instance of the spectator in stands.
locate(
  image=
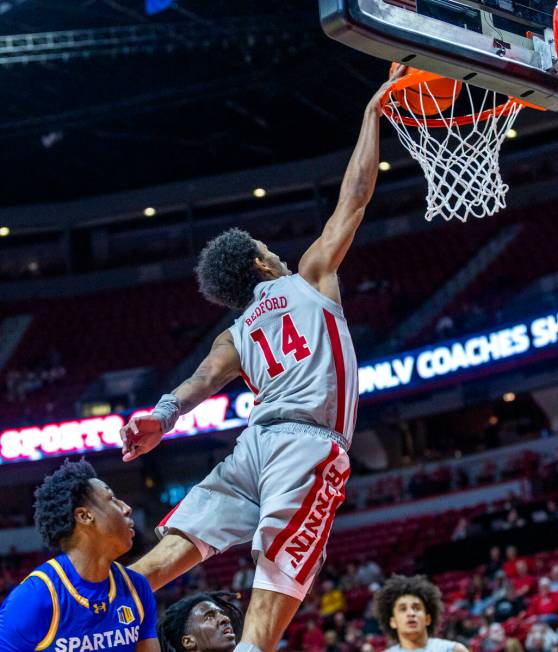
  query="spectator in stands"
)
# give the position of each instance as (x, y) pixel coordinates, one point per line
(509, 521)
(508, 606)
(545, 603)
(511, 561)
(244, 576)
(313, 639)
(523, 582)
(339, 625)
(203, 622)
(370, 626)
(495, 639)
(541, 638)
(461, 529)
(554, 579)
(332, 600)
(409, 609)
(495, 561)
(369, 574)
(332, 641)
(514, 520)
(349, 578)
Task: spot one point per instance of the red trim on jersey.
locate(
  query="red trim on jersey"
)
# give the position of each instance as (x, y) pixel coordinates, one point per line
(166, 518)
(247, 380)
(335, 340)
(309, 564)
(300, 515)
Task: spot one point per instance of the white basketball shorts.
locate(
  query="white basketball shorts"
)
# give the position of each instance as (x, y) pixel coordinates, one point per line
(280, 488)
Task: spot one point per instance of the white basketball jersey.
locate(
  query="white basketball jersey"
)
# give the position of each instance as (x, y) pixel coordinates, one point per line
(433, 645)
(297, 357)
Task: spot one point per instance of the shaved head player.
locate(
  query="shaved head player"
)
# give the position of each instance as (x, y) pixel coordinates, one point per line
(282, 484)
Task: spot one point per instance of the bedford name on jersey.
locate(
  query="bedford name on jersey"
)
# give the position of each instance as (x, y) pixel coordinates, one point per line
(267, 305)
(100, 641)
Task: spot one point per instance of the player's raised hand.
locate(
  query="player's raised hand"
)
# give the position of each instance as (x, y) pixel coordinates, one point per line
(139, 436)
(376, 102)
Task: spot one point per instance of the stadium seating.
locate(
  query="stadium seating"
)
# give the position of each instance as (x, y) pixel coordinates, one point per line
(530, 256)
(107, 331)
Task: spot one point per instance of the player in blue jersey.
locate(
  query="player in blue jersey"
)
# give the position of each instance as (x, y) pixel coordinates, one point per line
(205, 622)
(81, 600)
(408, 610)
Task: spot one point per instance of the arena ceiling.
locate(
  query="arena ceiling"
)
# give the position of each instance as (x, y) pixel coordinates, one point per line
(98, 97)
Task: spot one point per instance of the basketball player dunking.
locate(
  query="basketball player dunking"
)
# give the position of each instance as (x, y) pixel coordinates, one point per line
(283, 482)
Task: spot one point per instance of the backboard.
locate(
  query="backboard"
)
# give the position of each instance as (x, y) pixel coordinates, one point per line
(503, 45)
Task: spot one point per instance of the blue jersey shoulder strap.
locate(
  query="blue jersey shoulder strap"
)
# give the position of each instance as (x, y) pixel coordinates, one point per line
(55, 619)
(133, 591)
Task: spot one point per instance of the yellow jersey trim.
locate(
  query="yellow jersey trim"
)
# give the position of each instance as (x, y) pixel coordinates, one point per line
(132, 590)
(55, 620)
(112, 587)
(84, 602)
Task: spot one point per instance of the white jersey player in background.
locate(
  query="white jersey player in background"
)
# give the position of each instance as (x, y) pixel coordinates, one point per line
(409, 610)
(283, 482)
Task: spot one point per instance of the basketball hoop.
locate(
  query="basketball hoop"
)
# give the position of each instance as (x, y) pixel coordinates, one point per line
(459, 154)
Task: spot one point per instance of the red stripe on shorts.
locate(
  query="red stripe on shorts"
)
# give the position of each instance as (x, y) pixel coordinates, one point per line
(335, 340)
(310, 562)
(167, 517)
(303, 511)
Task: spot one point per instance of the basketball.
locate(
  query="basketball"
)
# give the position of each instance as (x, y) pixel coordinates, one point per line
(440, 89)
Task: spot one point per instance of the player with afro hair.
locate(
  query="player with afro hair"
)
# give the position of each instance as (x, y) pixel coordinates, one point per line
(57, 498)
(409, 610)
(231, 265)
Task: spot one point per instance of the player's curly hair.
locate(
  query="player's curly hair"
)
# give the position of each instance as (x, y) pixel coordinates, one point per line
(399, 585)
(174, 624)
(226, 269)
(57, 498)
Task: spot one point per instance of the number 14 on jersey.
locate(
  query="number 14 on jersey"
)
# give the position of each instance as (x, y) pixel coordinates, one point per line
(291, 342)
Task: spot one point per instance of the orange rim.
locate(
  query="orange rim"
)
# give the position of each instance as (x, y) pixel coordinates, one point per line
(414, 78)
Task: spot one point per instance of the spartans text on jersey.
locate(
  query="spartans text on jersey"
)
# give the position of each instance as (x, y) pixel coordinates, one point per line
(101, 641)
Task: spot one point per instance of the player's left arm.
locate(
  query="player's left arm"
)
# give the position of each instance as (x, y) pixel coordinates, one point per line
(222, 364)
(319, 264)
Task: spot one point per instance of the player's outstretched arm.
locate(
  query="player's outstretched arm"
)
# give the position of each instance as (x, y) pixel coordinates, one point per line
(142, 434)
(321, 261)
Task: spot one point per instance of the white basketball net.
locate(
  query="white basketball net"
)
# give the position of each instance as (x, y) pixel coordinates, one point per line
(460, 162)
